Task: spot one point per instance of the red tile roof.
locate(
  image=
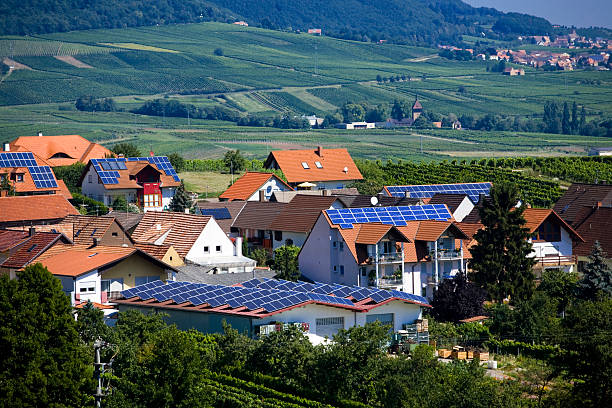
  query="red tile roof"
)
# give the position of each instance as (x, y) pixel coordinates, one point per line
(182, 229)
(27, 209)
(61, 150)
(333, 162)
(9, 239)
(571, 205)
(597, 226)
(27, 185)
(536, 216)
(249, 184)
(32, 248)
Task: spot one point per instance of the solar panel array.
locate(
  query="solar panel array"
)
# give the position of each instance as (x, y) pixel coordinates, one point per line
(472, 190)
(217, 213)
(108, 169)
(42, 176)
(270, 300)
(398, 216)
(333, 289)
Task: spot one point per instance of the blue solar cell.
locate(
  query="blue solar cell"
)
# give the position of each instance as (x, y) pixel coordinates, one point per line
(217, 213)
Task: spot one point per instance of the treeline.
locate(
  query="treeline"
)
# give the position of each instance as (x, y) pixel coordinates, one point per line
(558, 119)
(517, 23)
(173, 108)
(91, 104)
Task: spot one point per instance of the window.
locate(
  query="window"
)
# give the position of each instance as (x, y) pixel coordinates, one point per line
(87, 287)
(19, 178)
(363, 271)
(141, 280)
(341, 246)
(278, 235)
(341, 269)
(93, 232)
(2, 177)
(152, 200)
(76, 234)
(206, 250)
(114, 234)
(305, 165)
(335, 244)
(319, 165)
(90, 179)
(548, 232)
(218, 248)
(335, 268)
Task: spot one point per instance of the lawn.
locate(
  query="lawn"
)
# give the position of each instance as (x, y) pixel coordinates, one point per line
(208, 183)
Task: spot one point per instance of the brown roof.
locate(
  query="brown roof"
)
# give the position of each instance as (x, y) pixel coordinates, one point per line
(77, 148)
(362, 200)
(258, 215)
(234, 208)
(249, 184)
(333, 162)
(32, 248)
(301, 213)
(417, 105)
(536, 216)
(127, 220)
(372, 233)
(571, 204)
(182, 229)
(156, 251)
(34, 208)
(469, 229)
(9, 239)
(452, 201)
(596, 226)
(87, 227)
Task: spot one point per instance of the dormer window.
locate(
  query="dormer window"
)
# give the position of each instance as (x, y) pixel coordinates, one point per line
(305, 165)
(19, 178)
(319, 165)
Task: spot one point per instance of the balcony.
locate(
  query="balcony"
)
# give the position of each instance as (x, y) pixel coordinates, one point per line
(551, 261)
(386, 258)
(447, 254)
(390, 282)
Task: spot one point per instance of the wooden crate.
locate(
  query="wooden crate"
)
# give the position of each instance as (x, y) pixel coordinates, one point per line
(459, 355)
(481, 355)
(444, 353)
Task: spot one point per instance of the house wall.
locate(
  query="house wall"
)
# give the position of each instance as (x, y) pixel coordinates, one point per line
(167, 194)
(115, 236)
(464, 209)
(211, 236)
(298, 239)
(269, 188)
(315, 257)
(562, 248)
(331, 185)
(95, 189)
(131, 268)
(173, 258)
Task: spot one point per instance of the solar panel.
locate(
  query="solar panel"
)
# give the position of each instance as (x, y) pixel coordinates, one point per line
(217, 213)
(17, 159)
(397, 216)
(472, 190)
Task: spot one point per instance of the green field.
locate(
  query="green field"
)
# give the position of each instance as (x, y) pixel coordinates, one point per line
(269, 73)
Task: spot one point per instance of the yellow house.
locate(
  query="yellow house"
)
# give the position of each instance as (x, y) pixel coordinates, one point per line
(165, 253)
(99, 273)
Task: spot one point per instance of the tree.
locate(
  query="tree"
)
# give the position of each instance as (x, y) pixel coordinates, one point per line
(180, 201)
(218, 52)
(397, 111)
(71, 175)
(286, 262)
(353, 112)
(500, 259)
(566, 126)
(575, 124)
(90, 323)
(120, 204)
(6, 185)
(43, 360)
(597, 276)
(559, 286)
(378, 78)
(126, 149)
(457, 299)
(234, 161)
(177, 162)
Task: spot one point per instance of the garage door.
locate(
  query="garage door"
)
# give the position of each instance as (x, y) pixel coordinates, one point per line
(384, 318)
(328, 326)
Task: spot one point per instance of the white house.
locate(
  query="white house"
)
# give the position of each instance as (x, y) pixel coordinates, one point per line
(149, 182)
(197, 239)
(254, 186)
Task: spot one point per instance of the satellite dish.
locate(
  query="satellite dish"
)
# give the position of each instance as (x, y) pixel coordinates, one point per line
(374, 200)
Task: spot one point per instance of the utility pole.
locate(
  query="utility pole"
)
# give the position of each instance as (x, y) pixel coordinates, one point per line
(98, 370)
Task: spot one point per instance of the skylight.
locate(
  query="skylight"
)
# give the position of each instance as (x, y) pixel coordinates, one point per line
(319, 165)
(305, 165)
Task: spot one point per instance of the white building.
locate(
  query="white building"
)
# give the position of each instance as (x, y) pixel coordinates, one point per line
(149, 182)
(254, 186)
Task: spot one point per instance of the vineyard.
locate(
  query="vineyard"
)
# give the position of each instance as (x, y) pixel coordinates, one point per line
(18, 47)
(534, 191)
(595, 169)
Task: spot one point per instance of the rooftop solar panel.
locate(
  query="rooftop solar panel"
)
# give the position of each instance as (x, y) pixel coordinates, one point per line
(217, 213)
(472, 190)
(397, 216)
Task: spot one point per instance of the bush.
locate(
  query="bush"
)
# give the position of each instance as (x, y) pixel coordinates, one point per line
(88, 206)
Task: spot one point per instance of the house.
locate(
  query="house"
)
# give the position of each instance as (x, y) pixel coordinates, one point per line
(29, 249)
(513, 71)
(197, 239)
(9, 240)
(578, 198)
(404, 248)
(165, 253)
(149, 182)
(255, 306)
(241, 23)
(417, 109)
(28, 176)
(128, 221)
(356, 125)
(472, 190)
(61, 150)
(600, 151)
(224, 212)
(286, 196)
(321, 169)
(105, 229)
(99, 273)
(314, 31)
(254, 186)
(296, 219)
(254, 223)
(34, 210)
(459, 205)
(595, 225)
(313, 120)
(456, 125)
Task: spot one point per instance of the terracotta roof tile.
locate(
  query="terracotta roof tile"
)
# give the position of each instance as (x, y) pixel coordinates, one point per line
(127, 220)
(301, 213)
(34, 208)
(87, 227)
(32, 248)
(94, 304)
(258, 215)
(597, 226)
(27, 185)
(75, 147)
(156, 251)
(79, 259)
(249, 184)
(372, 233)
(9, 239)
(182, 229)
(333, 162)
(126, 178)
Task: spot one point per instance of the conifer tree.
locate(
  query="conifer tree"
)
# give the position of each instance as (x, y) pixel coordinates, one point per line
(597, 275)
(181, 201)
(500, 262)
(566, 127)
(574, 118)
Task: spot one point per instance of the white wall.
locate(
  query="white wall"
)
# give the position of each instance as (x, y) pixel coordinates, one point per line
(315, 256)
(298, 239)
(94, 189)
(563, 247)
(92, 278)
(211, 236)
(269, 188)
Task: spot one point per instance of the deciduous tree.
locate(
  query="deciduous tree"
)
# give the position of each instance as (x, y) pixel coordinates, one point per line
(286, 262)
(458, 299)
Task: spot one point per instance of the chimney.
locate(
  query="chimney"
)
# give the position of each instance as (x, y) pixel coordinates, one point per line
(238, 245)
(7, 147)
(326, 193)
(186, 210)
(39, 133)
(262, 196)
(320, 151)
(31, 231)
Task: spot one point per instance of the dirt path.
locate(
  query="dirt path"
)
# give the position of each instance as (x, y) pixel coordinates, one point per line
(69, 59)
(422, 59)
(15, 64)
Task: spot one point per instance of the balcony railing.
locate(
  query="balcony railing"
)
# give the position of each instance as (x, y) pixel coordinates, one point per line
(391, 257)
(556, 260)
(386, 281)
(447, 254)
